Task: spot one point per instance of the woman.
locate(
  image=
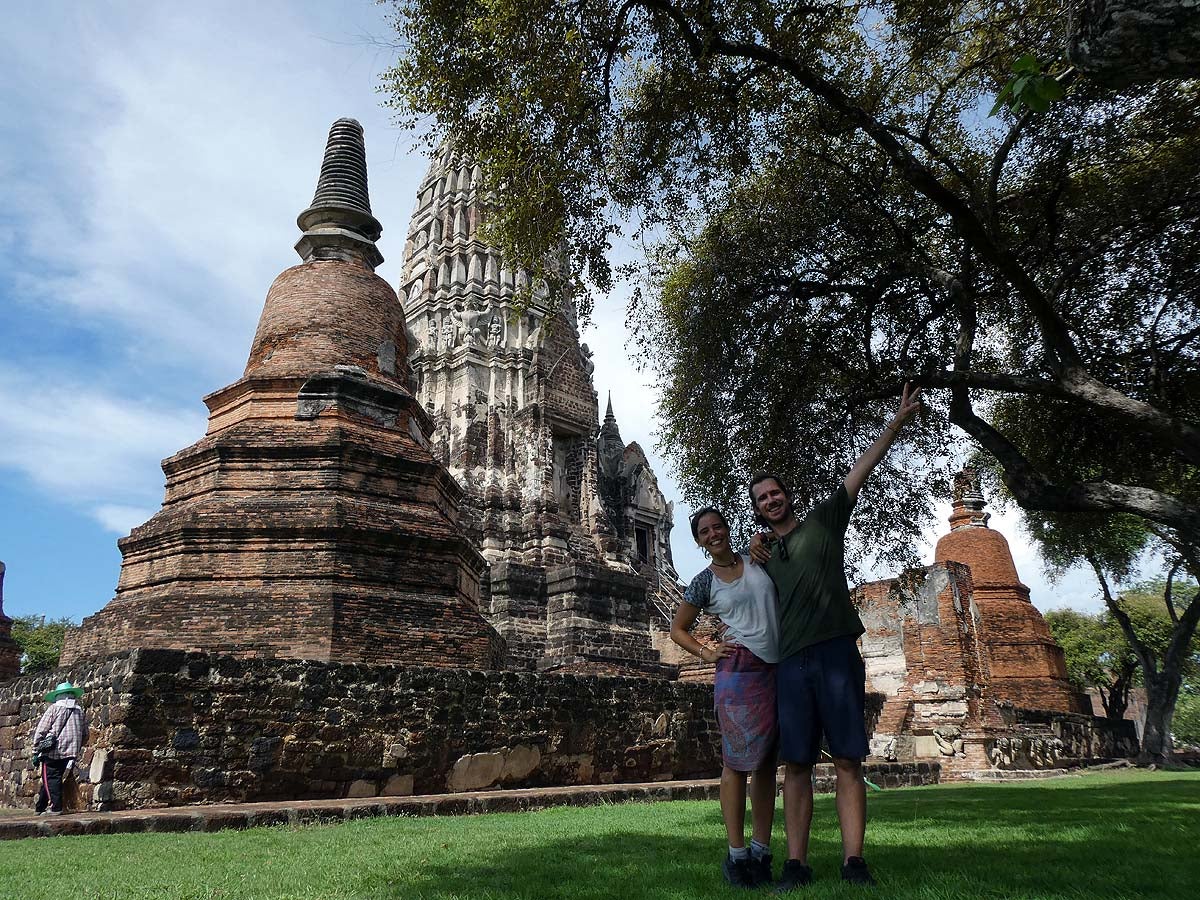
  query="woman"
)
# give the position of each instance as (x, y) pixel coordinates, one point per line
(64, 721)
(742, 596)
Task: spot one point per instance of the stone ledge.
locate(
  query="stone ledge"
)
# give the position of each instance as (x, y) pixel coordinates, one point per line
(321, 812)
(317, 812)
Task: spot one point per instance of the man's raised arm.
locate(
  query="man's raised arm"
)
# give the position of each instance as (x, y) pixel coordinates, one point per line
(910, 402)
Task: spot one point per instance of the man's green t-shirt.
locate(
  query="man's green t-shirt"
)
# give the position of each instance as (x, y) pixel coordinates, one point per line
(808, 568)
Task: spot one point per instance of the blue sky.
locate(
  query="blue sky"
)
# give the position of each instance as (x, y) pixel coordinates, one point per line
(153, 159)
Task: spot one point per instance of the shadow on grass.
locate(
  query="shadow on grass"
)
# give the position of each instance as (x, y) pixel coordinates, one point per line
(995, 841)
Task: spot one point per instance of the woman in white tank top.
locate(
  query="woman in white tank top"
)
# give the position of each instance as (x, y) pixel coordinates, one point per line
(742, 596)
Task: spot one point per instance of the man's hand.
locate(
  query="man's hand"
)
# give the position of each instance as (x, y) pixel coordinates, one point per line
(910, 402)
(760, 547)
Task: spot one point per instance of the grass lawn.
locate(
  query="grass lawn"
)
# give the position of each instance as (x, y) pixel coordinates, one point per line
(1100, 836)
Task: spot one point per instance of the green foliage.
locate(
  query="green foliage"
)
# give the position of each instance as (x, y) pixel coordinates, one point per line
(829, 213)
(1152, 623)
(41, 641)
(1037, 839)
(1097, 653)
(1030, 88)
(1185, 725)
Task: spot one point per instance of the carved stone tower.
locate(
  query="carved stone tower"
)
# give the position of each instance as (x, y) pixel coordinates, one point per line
(1027, 665)
(516, 420)
(312, 521)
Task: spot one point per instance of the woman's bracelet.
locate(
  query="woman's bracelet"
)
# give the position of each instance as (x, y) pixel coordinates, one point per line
(702, 650)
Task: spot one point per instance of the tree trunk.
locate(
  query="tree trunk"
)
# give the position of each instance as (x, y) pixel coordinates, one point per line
(1123, 42)
(1161, 693)
(1115, 699)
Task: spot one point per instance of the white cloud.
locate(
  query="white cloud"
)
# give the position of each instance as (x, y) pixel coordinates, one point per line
(155, 161)
(88, 447)
(163, 170)
(121, 519)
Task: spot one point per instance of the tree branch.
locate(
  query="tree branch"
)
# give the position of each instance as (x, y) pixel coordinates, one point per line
(1167, 592)
(987, 381)
(1033, 490)
(1181, 436)
(1144, 654)
(611, 50)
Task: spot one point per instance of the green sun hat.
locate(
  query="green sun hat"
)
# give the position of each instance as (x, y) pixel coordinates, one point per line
(64, 687)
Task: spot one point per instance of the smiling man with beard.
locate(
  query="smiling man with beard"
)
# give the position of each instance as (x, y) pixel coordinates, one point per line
(821, 682)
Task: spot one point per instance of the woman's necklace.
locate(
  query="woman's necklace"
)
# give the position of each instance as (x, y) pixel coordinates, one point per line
(728, 565)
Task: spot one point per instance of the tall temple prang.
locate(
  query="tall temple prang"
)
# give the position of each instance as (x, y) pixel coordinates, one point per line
(312, 521)
(577, 536)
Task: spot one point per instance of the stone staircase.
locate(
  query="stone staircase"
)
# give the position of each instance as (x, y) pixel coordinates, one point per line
(668, 594)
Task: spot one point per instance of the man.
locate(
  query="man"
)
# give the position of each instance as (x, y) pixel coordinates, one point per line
(821, 679)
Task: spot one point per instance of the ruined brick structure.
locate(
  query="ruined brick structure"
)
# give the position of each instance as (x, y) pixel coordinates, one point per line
(1027, 665)
(10, 652)
(312, 521)
(572, 523)
(971, 676)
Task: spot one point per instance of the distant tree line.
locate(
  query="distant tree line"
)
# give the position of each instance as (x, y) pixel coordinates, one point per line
(40, 640)
(1100, 656)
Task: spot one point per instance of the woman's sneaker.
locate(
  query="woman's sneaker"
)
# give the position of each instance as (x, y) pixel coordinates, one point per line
(795, 875)
(738, 873)
(855, 871)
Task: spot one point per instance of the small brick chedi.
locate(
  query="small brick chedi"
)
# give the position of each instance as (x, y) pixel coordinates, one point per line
(969, 671)
(313, 520)
(571, 520)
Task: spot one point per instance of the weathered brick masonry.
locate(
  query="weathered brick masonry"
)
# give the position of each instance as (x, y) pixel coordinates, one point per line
(971, 674)
(170, 727)
(1027, 665)
(312, 521)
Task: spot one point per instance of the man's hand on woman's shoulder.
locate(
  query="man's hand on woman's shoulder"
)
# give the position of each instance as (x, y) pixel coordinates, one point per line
(760, 547)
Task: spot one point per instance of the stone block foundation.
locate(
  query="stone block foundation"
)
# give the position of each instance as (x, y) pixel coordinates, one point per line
(170, 727)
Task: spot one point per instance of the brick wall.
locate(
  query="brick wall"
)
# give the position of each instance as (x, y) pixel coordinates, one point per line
(170, 727)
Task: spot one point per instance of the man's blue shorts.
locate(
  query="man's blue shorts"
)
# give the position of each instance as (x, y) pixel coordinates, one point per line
(821, 690)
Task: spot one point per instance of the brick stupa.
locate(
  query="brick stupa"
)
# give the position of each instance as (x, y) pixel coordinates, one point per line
(1027, 665)
(10, 650)
(311, 521)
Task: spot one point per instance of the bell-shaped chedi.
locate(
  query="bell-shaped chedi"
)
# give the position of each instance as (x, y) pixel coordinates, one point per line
(1027, 665)
(312, 521)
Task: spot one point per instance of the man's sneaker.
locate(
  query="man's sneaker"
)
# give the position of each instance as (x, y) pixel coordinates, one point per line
(737, 872)
(760, 870)
(795, 875)
(855, 871)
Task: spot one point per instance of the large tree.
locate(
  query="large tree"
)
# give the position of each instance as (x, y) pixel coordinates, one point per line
(1124, 42)
(832, 213)
(1162, 640)
(1157, 618)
